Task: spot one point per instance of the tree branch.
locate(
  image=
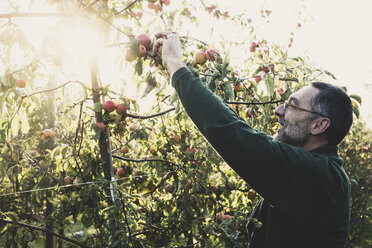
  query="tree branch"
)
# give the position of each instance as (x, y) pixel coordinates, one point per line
(142, 117)
(36, 14)
(56, 88)
(127, 7)
(146, 160)
(150, 116)
(47, 231)
(255, 103)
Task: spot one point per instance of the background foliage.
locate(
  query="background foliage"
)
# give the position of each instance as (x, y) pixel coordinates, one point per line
(172, 190)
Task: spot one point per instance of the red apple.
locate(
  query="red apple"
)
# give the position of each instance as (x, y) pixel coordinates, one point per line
(141, 51)
(238, 87)
(176, 138)
(189, 185)
(257, 79)
(248, 114)
(200, 58)
(48, 134)
(21, 83)
(109, 106)
(226, 217)
(211, 55)
(266, 69)
(280, 91)
(253, 47)
(67, 180)
(214, 188)
(151, 5)
(145, 40)
(251, 194)
(130, 56)
(121, 172)
(121, 109)
(169, 188)
(152, 150)
(191, 150)
(124, 150)
(101, 126)
(141, 210)
(219, 216)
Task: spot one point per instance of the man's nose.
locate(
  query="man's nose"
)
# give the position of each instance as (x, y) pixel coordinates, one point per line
(279, 111)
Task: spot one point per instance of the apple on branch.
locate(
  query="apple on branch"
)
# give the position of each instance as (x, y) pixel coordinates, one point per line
(21, 83)
(67, 180)
(121, 109)
(48, 134)
(109, 106)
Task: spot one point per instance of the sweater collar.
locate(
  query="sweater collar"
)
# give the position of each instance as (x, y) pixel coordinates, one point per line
(330, 151)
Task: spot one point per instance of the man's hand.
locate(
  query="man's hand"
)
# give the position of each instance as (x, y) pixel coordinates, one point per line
(171, 52)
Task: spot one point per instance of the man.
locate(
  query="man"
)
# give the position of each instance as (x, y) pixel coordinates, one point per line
(298, 172)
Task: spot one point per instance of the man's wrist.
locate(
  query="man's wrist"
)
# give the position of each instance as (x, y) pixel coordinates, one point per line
(174, 66)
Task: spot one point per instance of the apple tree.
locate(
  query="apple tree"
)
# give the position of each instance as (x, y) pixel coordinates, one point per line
(84, 164)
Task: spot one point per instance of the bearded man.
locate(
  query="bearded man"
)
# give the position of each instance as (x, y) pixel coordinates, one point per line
(305, 191)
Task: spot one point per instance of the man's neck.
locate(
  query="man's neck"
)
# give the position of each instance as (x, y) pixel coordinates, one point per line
(314, 142)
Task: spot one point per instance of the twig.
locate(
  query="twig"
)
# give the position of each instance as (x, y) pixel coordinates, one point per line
(76, 136)
(56, 88)
(142, 117)
(90, 5)
(146, 160)
(33, 62)
(255, 103)
(125, 216)
(15, 113)
(191, 38)
(36, 14)
(47, 231)
(127, 7)
(150, 116)
(112, 25)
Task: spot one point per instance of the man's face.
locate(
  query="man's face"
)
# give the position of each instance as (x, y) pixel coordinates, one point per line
(295, 122)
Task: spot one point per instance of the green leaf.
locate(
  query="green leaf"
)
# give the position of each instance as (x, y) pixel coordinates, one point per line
(173, 98)
(286, 94)
(330, 74)
(357, 98)
(25, 126)
(139, 67)
(2, 100)
(15, 125)
(97, 107)
(212, 85)
(12, 216)
(208, 243)
(355, 108)
(229, 91)
(293, 79)
(270, 85)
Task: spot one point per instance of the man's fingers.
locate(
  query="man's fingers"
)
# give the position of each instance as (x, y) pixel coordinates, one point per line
(162, 34)
(158, 43)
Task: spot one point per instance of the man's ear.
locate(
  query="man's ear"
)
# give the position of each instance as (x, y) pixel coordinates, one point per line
(319, 126)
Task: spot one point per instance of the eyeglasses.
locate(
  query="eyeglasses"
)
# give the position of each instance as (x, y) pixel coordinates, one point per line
(286, 104)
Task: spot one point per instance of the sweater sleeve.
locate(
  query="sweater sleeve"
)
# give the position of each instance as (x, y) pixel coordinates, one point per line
(284, 175)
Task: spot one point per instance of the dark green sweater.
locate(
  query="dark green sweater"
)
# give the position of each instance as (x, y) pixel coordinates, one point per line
(305, 193)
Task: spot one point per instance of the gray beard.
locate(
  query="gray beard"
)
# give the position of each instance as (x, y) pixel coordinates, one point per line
(294, 134)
